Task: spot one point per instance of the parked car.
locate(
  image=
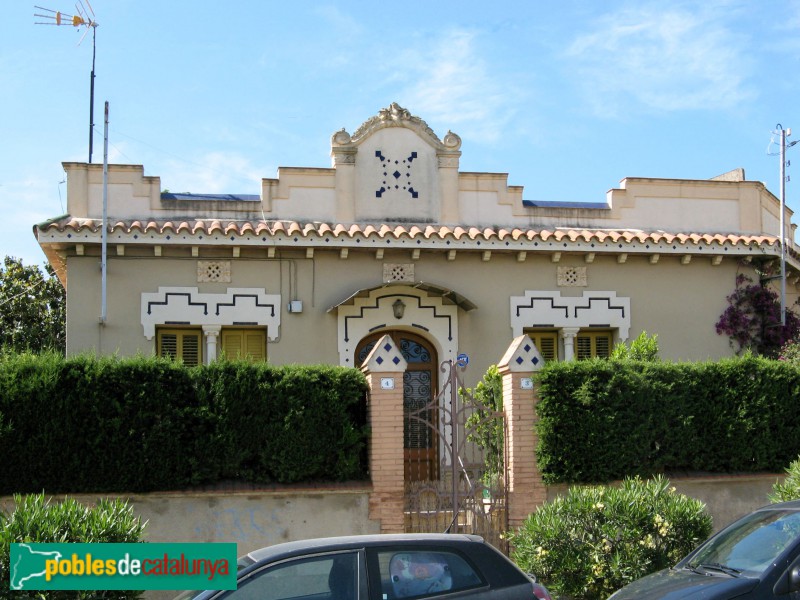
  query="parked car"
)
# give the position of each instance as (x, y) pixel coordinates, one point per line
(380, 567)
(757, 556)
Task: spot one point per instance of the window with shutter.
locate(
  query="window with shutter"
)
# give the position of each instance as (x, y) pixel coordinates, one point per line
(546, 342)
(181, 344)
(248, 344)
(593, 344)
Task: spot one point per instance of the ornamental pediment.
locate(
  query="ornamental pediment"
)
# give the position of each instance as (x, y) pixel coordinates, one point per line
(395, 116)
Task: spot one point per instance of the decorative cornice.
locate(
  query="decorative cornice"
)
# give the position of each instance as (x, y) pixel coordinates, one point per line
(395, 116)
(71, 231)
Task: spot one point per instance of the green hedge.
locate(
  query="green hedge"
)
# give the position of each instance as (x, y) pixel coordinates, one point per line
(143, 424)
(603, 420)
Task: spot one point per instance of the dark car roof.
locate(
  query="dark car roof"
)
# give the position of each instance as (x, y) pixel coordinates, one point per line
(791, 505)
(360, 541)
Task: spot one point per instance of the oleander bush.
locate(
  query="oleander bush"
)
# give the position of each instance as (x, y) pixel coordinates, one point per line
(35, 519)
(596, 539)
(789, 488)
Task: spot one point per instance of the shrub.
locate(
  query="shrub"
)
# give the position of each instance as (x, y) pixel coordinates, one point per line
(752, 320)
(36, 520)
(485, 425)
(791, 352)
(644, 347)
(603, 420)
(594, 540)
(789, 489)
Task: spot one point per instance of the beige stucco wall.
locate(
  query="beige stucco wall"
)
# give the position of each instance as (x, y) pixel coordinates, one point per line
(727, 497)
(250, 519)
(678, 302)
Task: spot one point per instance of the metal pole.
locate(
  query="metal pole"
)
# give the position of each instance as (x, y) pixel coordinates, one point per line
(104, 252)
(91, 98)
(782, 225)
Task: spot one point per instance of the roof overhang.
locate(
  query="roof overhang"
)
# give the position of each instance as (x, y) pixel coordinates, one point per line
(448, 296)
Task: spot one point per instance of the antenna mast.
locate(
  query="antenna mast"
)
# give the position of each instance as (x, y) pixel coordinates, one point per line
(83, 18)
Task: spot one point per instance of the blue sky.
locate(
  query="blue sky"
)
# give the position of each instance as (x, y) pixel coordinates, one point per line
(568, 97)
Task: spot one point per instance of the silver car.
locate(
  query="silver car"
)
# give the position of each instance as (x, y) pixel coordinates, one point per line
(379, 567)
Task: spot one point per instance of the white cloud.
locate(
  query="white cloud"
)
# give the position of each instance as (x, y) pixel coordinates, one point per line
(663, 58)
(452, 84)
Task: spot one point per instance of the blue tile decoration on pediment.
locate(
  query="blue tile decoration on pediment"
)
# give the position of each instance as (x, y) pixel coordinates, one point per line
(379, 360)
(402, 169)
(524, 355)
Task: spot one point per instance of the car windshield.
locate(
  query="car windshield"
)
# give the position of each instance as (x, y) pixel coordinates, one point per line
(751, 545)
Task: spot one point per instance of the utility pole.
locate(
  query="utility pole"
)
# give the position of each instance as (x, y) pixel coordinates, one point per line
(84, 18)
(784, 134)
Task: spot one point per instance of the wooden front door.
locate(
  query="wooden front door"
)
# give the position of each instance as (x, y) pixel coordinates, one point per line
(420, 435)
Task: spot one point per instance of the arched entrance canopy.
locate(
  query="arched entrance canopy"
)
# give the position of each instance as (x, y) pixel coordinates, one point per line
(449, 297)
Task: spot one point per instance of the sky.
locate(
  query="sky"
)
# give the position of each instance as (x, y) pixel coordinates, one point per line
(568, 97)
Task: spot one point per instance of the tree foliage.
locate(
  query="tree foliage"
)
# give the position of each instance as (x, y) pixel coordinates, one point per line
(32, 308)
(752, 320)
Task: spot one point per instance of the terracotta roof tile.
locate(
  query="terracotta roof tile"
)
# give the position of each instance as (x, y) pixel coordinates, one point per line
(391, 231)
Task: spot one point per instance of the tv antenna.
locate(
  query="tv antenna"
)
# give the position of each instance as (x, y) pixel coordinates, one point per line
(85, 18)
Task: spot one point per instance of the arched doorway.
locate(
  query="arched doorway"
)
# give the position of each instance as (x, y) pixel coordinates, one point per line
(420, 438)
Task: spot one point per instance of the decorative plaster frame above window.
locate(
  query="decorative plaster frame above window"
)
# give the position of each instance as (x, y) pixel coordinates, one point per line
(550, 310)
(187, 306)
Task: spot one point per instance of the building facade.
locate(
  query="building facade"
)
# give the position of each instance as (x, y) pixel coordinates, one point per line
(394, 238)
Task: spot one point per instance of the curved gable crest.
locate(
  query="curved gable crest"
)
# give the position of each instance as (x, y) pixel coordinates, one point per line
(396, 116)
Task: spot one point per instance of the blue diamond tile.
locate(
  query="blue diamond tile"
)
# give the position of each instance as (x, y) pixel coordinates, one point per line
(379, 360)
(396, 174)
(387, 347)
(535, 360)
(396, 360)
(527, 348)
(519, 360)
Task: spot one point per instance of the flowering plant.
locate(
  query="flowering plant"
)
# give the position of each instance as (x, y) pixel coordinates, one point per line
(753, 319)
(597, 539)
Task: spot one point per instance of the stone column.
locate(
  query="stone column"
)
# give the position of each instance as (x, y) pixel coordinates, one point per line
(343, 153)
(447, 161)
(384, 368)
(526, 491)
(568, 334)
(211, 333)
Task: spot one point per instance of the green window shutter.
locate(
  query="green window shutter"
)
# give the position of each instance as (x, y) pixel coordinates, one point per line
(169, 345)
(603, 346)
(583, 347)
(232, 344)
(593, 344)
(255, 345)
(250, 344)
(548, 346)
(191, 349)
(180, 344)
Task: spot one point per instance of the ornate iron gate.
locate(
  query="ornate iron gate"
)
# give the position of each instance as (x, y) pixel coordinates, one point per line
(465, 490)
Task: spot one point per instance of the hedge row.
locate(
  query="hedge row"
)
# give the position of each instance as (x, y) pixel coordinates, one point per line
(603, 420)
(143, 424)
